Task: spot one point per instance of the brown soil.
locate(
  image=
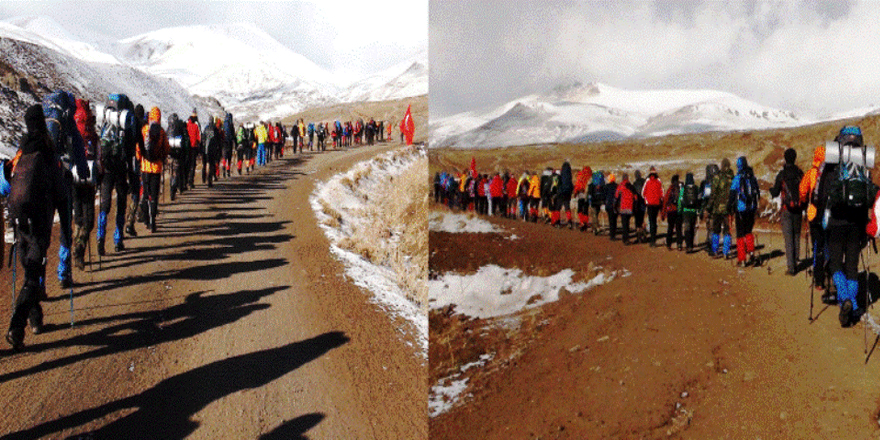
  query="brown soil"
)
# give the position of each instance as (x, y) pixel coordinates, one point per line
(232, 321)
(617, 360)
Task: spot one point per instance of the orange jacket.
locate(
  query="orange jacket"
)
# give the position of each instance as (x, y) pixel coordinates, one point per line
(164, 148)
(809, 181)
(583, 180)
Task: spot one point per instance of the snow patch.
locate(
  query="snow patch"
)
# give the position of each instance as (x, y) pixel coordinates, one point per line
(448, 390)
(340, 203)
(458, 223)
(496, 291)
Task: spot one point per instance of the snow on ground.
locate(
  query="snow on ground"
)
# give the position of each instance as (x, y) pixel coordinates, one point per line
(448, 390)
(496, 291)
(341, 203)
(458, 223)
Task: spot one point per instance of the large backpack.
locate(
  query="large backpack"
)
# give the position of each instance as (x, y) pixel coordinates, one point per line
(748, 192)
(29, 191)
(152, 146)
(595, 189)
(852, 188)
(672, 197)
(790, 198)
(690, 197)
(113, 137)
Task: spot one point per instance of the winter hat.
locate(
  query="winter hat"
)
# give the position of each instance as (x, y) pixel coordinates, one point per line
(790, 156)
(611, 178)
(674, 179)
(725, 164)
(624, 177)
(742, 163)
(638, 174)
(689, 179)
(652, 170)
(34, 119)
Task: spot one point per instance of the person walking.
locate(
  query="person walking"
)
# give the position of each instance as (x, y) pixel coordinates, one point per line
(810, 197)
(671, 214)
(652, 193)
(744, 190)
(625, 199)
(152, 156)
(787, 187)
(689, 208)
(720, 209)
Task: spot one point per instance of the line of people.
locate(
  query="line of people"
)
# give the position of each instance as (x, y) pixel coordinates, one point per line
(836, 195)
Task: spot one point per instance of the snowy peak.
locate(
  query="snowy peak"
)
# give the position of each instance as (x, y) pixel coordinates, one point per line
(47, 32)
(595, 111)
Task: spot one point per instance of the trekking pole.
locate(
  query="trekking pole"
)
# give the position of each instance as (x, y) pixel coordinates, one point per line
(13, 263)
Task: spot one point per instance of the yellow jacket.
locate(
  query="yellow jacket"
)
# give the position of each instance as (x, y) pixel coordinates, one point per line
(535, 186)
(164, 148)
(261, 134)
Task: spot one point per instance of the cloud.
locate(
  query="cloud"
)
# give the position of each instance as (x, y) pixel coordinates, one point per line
(805, 56)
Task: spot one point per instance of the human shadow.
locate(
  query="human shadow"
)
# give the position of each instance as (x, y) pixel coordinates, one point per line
(294, 429)
(197, 314)
(166, 410)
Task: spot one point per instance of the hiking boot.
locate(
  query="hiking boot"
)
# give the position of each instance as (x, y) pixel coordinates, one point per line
(129, 230)
(119, 247)
(66, 283)
(846, 313)
(829, 298)
(15, 338)
(153, 228)
(79, 261)
(36, 326)
(101, 250)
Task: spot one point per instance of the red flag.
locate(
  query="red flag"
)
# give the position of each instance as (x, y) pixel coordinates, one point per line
(473, 167)
(409, 126)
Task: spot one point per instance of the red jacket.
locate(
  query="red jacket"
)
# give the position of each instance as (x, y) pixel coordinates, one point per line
(652, 192)
(272, 134)
(85, 124)
(195, 131)
(496, 186)
(511, 188)
(625, 197)
(481, 188)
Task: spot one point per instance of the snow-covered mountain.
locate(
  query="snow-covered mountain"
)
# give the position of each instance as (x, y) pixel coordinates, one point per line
(409, 78)
(597, 112)
(235, 67)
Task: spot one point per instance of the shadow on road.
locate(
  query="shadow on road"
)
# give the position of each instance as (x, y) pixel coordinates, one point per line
(166, 410)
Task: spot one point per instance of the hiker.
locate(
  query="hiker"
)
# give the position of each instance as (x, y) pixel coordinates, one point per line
(744, 190)
(152, 155)
(486, 185)
(522, 191)
(241, 142)
(84, 188)
(625, 200)
(311, 138)
(546, 183)
(580, 189)
(511, 196)
(36, 188)
(179, 142)
(850, 194)
(135, 187)
(705, 195)
(118, 142)
(262, 136)
(194, 132)
(652, 193)
(639, 208)
(671, 214)
(534, 196)
(563, 198)
(496, 192)
(302, 136)
(228, 144)
(596, 199)
(211, 140)
(59, 109)
(809, 196)
(787, 187)
(610, 190)
(718, 207)
(689, 208)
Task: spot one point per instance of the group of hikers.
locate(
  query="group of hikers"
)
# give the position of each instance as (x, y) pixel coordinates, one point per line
(73, 151)
(836, 194)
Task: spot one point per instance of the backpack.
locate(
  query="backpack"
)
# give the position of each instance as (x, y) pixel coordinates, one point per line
(151, 142)
(747, 193)
(595, 189)
(690, 197)
(852, 188)
(790, 199)
(120, 101)
(672, 197)
(29, 188)
(112, 137)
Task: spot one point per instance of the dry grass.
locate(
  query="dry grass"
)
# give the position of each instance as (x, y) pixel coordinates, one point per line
(396, 233)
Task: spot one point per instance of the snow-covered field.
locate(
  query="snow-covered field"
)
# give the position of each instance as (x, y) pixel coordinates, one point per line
(496, 291)
(458, 223)
(375, 216)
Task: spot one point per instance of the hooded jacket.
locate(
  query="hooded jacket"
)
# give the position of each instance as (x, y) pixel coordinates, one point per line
(535, 186)
(718, 201)
(522, 187)
(511, 187)
(809, 183)
(566, 186)
(194, 129)
(496, 187)
(261, 133)
(688, 182)
(625, 197)
(162, 143)
(583, 180)
(652, 192)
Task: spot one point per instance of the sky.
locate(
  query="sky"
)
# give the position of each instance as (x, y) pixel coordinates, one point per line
(813, 58)
(341, 36)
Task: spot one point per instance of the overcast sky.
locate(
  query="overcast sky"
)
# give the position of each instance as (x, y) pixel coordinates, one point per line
(330, 33)
(809, 57)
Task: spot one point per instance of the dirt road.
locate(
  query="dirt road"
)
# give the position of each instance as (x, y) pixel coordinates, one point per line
(231, 321)
(684, 347)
